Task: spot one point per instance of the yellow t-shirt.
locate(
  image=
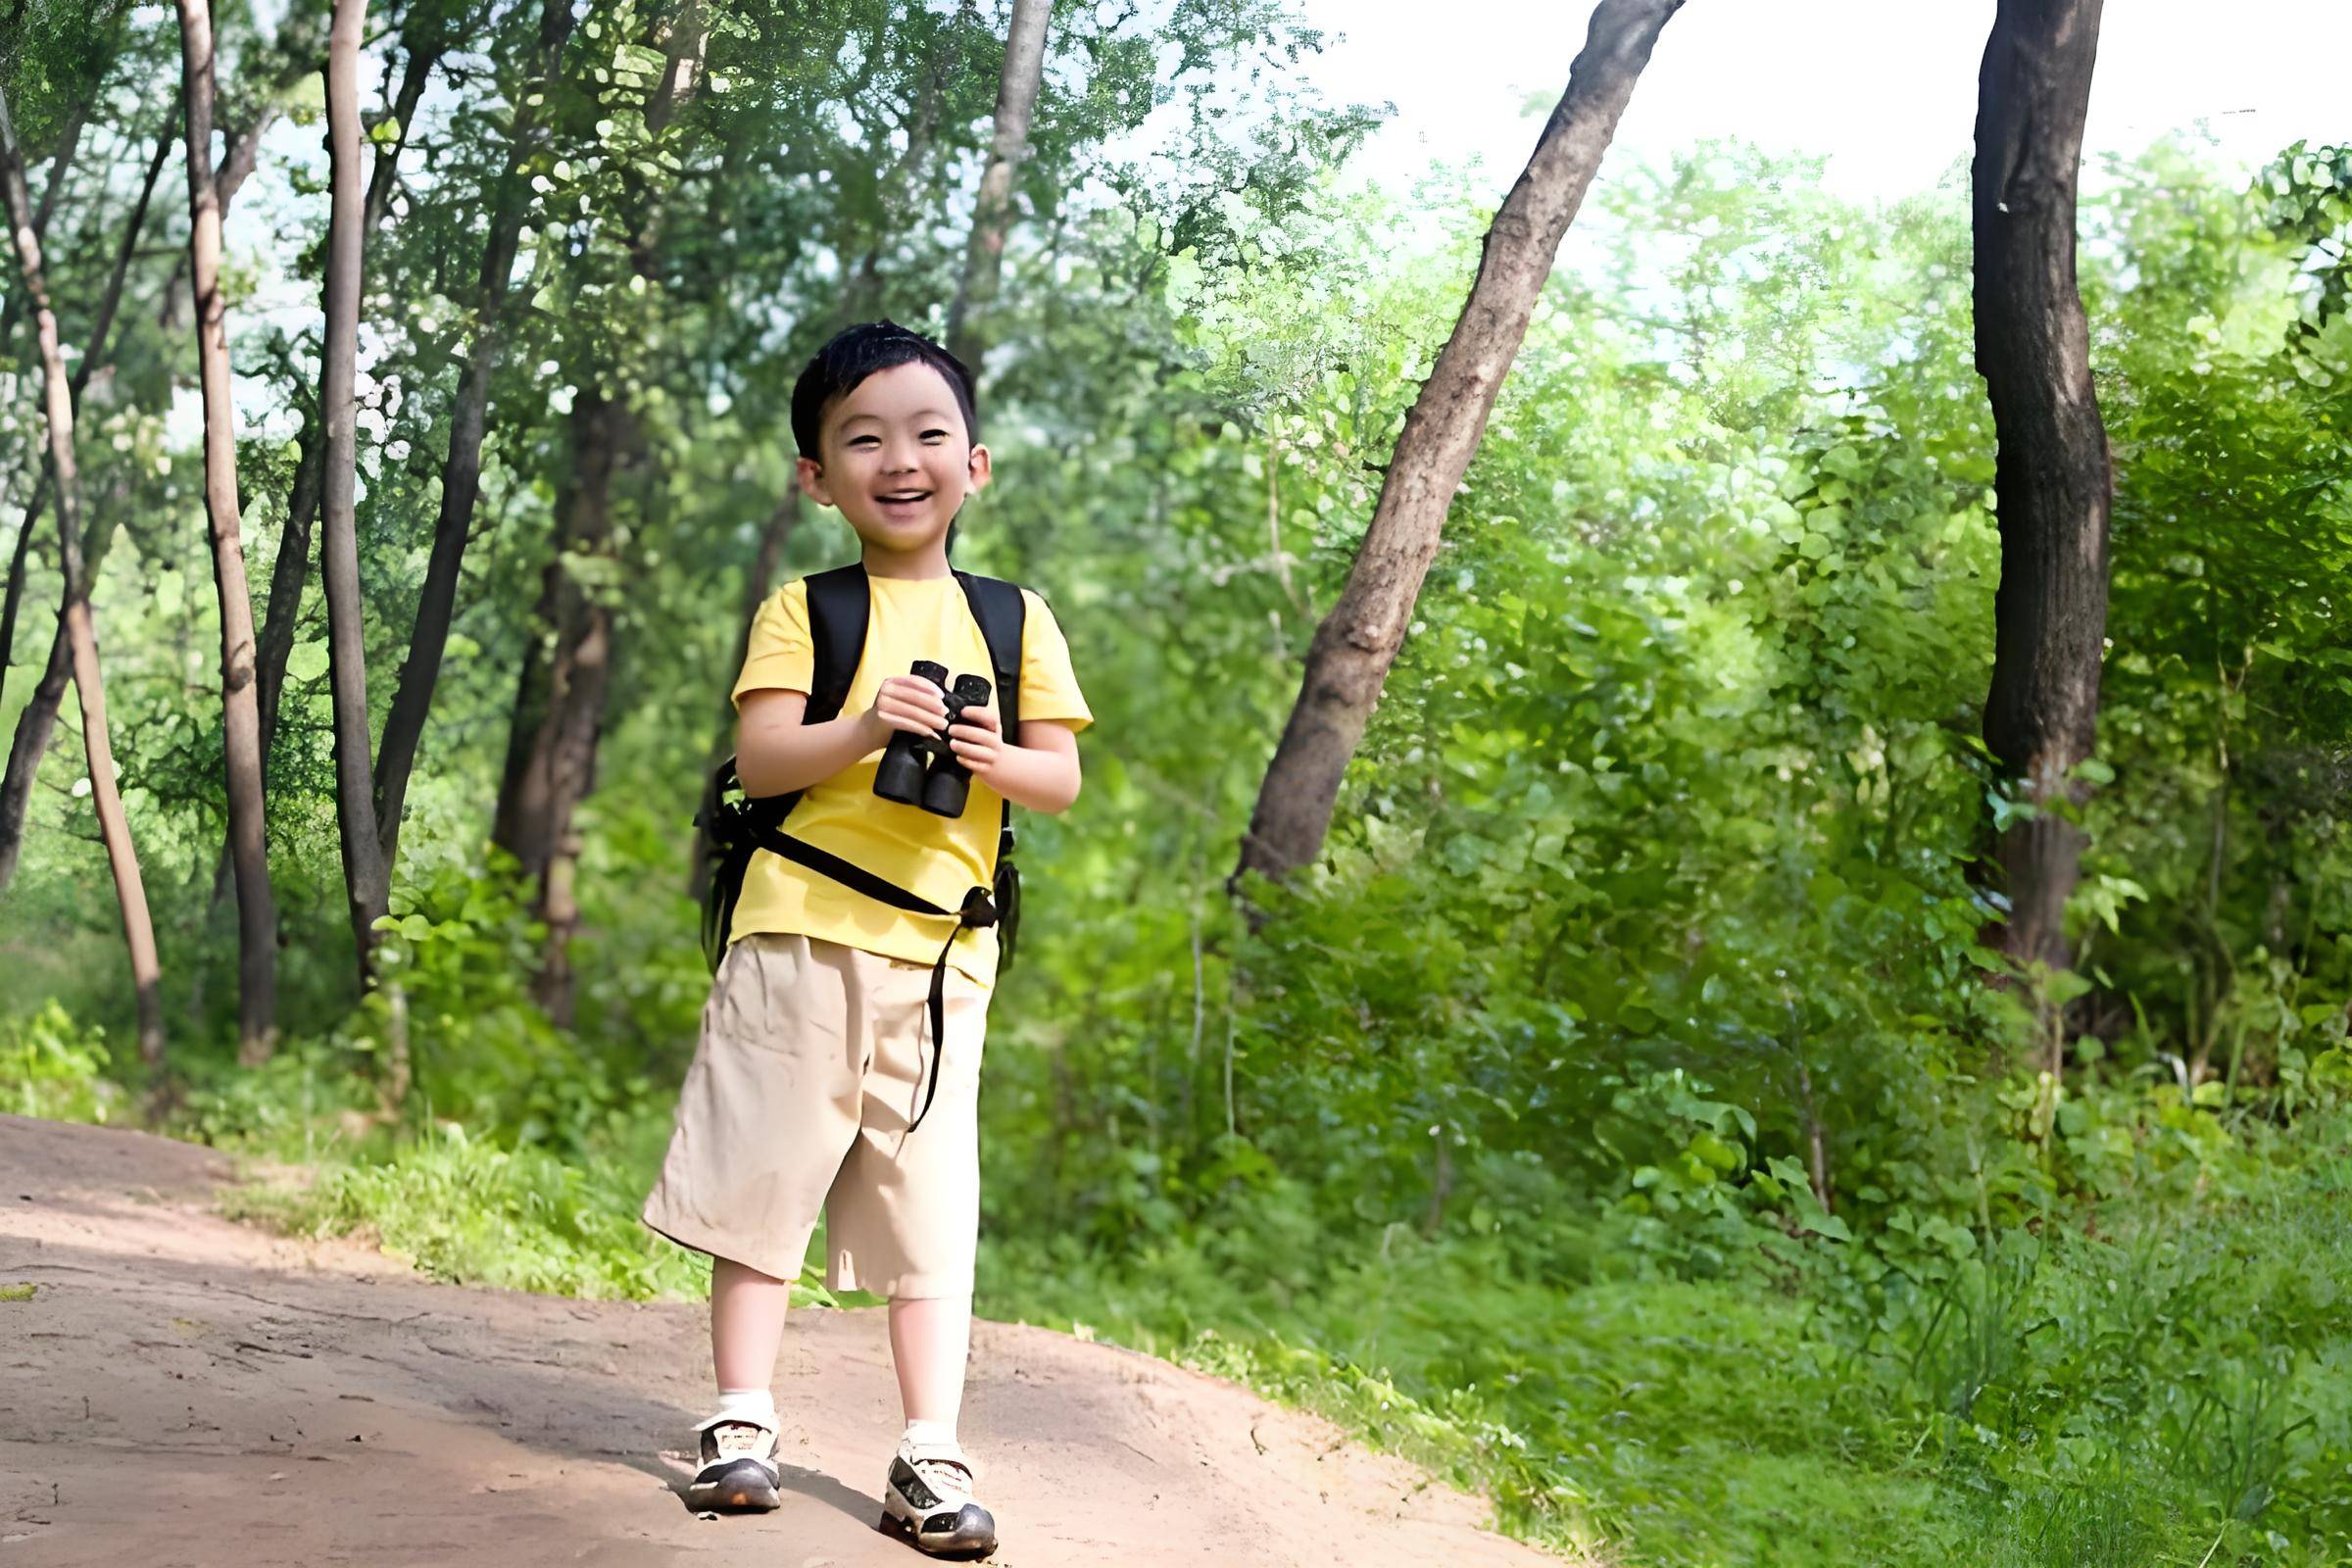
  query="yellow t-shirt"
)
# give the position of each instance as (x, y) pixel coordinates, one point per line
(939, 858)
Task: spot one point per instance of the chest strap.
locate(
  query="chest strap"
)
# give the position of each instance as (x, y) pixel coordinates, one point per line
(979, 912)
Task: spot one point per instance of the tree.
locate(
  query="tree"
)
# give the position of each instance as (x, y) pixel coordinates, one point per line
(34, 725)
(365, 877)
(257, 912)
(1358, 640)
(560, 703)
(462, 467)
(2051, 470)
(566, 673)
(1016, 98)
(424, 34)
(758, 581)
(131, 894)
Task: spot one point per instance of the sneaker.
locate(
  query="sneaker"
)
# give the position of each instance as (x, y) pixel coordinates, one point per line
(928, 1503)
(739, 1473)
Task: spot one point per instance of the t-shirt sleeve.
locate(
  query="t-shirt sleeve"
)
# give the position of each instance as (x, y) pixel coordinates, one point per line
(1049, 686)
(780, 655)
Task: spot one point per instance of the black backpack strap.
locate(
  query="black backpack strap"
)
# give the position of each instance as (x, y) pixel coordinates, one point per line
(1003, 613)
(840, 602)
(839, 605)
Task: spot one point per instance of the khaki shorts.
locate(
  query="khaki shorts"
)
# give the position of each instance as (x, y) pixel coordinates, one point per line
(813, 1060)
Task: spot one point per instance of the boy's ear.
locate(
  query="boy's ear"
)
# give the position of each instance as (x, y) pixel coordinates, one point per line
(978, 470)
(812, 475)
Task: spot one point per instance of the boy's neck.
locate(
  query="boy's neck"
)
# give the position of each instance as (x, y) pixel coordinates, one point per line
(917, 565)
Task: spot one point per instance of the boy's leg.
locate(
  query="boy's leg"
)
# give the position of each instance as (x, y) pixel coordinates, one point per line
(930, 1343)
(747, 1325)
(903, 1218)
(769, 1105)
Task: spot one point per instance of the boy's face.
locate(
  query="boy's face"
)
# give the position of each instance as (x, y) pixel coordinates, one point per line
(897, 460)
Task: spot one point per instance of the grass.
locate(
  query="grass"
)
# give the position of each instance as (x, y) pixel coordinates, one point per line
(2159, 1381)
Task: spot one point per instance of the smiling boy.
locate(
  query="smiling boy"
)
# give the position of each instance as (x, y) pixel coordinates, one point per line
(810, 1085)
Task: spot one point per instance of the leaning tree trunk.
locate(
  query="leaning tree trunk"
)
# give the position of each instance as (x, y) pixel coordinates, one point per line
(560, 705)
(363, 874)
(1358, 641)
(2052, 475)
(38, 719)
(113, 826)
(100, 326)
(61, 164)
(462, 468)
(984, 254)
(257, 912)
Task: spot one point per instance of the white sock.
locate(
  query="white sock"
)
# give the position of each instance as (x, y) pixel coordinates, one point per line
(920, 1433)
(755, 1406)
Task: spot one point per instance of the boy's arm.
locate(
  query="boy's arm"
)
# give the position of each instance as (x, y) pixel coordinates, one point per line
(1041, 776)
(776, 754)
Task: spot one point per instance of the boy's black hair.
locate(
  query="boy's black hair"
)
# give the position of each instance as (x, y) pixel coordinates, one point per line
(855, 353)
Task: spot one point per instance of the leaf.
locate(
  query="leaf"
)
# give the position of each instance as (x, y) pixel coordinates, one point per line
(307, 662)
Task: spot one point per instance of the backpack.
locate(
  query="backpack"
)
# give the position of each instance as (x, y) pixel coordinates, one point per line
(736, 825)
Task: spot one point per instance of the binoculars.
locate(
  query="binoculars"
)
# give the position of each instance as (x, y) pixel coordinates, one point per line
(920, 770)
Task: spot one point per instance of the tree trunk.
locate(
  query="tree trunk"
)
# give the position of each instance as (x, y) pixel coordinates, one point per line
(365, 882)
(757, 583)
(39, 716)
(424, 39)
(462, 468)
(560, 704)
(257, 912)
(291, 570)
(113, 826)
(69, 142)
(2051, 474)
(1358, 640)
(288, 574)
(240, 153)
(983, 256)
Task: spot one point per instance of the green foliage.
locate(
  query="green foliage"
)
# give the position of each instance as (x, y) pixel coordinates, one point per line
(474, 1213)
(52, 1067)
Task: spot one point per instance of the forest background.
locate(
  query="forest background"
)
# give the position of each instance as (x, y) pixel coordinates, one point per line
(1627, 1110)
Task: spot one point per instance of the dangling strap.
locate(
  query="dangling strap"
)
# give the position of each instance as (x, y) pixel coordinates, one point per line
(979, 911)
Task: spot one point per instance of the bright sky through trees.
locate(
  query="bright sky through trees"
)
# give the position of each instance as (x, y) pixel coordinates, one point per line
(1886, 88)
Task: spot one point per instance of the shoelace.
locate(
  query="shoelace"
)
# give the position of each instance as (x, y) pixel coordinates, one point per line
(935, 1474)
(735, 1437)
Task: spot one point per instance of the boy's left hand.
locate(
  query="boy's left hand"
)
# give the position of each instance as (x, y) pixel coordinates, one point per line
(978, 740)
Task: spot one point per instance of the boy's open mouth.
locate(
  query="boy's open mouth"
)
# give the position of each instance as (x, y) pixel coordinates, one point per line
(903, 498)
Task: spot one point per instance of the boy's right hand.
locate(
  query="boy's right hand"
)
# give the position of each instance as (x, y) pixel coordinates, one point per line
(906, 703)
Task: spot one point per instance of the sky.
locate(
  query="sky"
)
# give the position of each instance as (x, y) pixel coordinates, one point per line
(1885, 88)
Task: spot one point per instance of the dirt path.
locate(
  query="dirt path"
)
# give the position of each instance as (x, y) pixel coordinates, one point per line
(184, 1391)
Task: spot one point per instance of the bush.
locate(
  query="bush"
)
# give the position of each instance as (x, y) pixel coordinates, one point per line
(52, 1067)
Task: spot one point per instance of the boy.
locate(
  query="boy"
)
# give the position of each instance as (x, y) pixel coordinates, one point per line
(818, 1078)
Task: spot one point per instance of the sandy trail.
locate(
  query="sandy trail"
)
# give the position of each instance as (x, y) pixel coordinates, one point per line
(182, 1391)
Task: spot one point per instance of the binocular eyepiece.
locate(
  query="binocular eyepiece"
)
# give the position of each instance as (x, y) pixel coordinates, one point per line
(920, 770)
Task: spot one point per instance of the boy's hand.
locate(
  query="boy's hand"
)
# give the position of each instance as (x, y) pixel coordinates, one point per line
(978, 741)
(908, 703)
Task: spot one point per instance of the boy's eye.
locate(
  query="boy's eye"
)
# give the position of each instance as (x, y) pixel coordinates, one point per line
(857, 442)
(934, 436)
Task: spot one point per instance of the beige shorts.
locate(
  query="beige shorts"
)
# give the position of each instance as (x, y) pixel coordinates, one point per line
(813, 1061)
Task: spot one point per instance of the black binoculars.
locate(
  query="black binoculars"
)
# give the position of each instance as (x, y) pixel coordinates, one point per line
(920, 770)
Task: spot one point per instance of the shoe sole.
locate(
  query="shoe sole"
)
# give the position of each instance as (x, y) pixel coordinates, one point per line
(970, 1549)
(743, 1488)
